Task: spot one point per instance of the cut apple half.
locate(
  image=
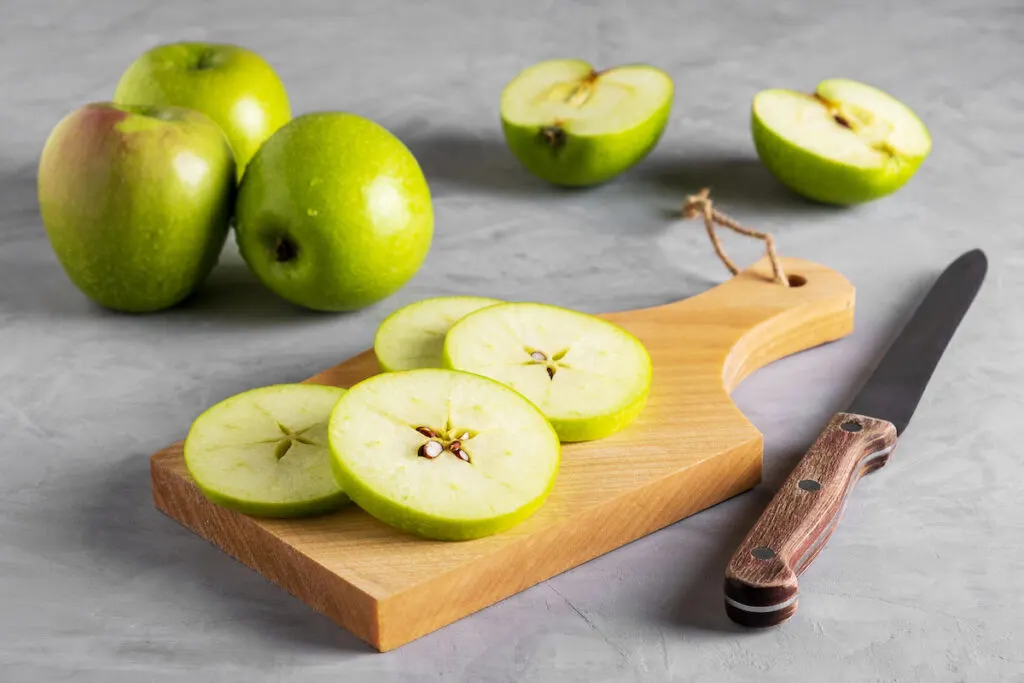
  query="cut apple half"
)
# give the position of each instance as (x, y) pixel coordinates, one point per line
(589, 377)
(845, 143)
(413, 336)
(265, 452)
(442, 454)
(571, 124)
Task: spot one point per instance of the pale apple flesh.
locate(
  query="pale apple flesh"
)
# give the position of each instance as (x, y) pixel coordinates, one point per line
(573, 125)
(845, 143)
(413, 336)
(265, 452)
(589, 377)
(136, 201)
(442, 454)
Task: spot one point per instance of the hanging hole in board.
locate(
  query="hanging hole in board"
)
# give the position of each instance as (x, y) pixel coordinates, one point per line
(797, 280)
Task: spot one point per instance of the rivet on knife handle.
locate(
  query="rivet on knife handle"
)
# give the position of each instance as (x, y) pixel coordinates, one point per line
(761, 579)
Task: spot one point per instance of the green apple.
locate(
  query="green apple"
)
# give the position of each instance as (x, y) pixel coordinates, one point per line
(846, 143)
(334, 213)
(589, 377)
(265, 452)
(442, 454)
(136, 201)
(573, 125)
(413, 336)
(233, 86)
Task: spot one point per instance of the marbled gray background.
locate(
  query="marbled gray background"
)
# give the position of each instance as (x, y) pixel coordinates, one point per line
(919, 584)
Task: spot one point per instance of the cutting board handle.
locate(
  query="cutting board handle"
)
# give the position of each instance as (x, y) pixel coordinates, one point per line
(746, 322)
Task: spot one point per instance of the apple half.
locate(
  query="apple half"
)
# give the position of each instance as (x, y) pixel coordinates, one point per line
(572, 125)
(265, 452)
(442, 454)
(846, 143)
(589, 377)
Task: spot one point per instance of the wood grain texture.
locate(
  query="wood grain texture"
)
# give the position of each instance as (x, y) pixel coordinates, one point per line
(761, 578)
(689, 449)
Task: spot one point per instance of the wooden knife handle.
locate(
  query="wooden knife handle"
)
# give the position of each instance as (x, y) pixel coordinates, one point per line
(761, 579)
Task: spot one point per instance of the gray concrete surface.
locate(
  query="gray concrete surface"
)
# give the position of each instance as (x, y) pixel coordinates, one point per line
(919, 584)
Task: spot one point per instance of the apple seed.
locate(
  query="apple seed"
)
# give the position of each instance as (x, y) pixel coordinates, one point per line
(538, 355)
(426, 431)
(460, 454)
(551, 371)
(431, 450)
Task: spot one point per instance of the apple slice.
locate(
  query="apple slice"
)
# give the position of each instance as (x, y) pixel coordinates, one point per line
(413, 336)
(844, 144)
(589, 377)
(573, 125)
(442, 454)
(265, 452)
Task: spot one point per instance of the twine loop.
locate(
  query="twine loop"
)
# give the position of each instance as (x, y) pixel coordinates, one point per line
(700, 205)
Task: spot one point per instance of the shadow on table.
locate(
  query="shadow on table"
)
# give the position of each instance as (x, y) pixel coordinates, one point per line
(700, 603)
(454, 161)
(231, 297)
(135, 539)
(18, 203)
(736, 181)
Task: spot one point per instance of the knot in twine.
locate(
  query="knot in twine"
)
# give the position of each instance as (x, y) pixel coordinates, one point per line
(700, 205)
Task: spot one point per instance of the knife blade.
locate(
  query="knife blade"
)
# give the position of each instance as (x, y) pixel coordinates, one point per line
(761, 587)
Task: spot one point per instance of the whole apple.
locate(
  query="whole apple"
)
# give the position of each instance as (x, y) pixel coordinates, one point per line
(136, 201)
(334, 213)
(232, 85)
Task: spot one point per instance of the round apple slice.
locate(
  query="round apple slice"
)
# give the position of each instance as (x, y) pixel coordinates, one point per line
(589, 377)
(413, 336)
(442, 454)
(573, 125)
(265, 451)
(844, 144)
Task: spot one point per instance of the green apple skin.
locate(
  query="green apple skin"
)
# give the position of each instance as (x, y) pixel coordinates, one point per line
(309, 507)
(334, 213)
(232, 85)
(573, 431)
(826, 180)
(426, 526)
(582, 160)
(393, 512)
(136, 202)
(570, 425)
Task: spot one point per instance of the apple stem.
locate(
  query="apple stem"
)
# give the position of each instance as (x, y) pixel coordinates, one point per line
(700, 205)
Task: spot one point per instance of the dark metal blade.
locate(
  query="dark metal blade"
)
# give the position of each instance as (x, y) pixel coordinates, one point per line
(896, 385)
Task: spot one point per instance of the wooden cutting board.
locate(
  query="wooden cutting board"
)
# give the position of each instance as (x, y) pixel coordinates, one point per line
(691, 448)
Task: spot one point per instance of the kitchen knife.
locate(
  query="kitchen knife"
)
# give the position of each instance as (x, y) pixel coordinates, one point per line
(761, 578)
